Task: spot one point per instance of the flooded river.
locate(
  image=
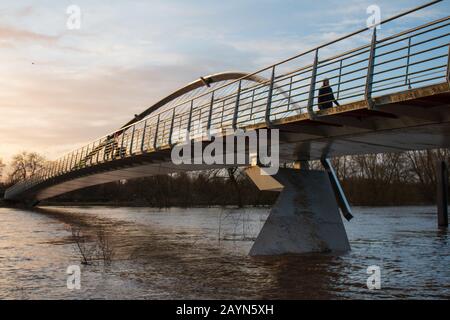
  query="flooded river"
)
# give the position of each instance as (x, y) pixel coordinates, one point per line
(196, 253)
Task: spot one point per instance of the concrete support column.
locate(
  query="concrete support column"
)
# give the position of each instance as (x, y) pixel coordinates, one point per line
(305, 217)
(442, 193)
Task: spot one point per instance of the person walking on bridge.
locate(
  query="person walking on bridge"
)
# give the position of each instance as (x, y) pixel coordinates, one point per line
(326, 96)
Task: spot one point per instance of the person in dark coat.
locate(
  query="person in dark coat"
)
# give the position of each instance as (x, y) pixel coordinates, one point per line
(326, 96)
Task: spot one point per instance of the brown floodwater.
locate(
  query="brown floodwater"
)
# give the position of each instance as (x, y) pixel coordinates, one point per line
(201, 253)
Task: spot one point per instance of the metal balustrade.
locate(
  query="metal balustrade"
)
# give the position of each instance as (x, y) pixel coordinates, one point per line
(409, 59)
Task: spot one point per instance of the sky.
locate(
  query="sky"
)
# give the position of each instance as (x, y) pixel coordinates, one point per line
(61, 88)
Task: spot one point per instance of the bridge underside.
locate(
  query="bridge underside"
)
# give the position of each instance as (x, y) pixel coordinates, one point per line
(414, 120)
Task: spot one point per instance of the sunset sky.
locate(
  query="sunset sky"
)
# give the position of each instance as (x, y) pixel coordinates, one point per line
(62, 88)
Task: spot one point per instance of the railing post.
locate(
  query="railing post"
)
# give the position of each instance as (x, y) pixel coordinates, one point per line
(71, 162)
(370, 70)
(105, 148)
(76, 160)
(155, 138)
(45, 175)
(112, 142)
(407, 62)
(131, 142)
(81, 157)
(51, 169)
(121, 154)
(143, 135)
(85, 157)
(339, 80)
(59, 166)
(312, 87)
(172, 121)
(58, 170)
(223, 111)
(289, 94)
(188, 133)
(93, 148)
(208, 126)
(63, 164)
(269, 98)
(252, 104)
(66, 163)
(98, 151)
(236, 107)
(68, 168)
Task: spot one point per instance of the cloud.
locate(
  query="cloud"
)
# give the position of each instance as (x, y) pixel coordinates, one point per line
(12, 35)
(25, 11)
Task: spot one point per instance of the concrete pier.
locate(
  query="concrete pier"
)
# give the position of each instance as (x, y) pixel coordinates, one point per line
(305, 217)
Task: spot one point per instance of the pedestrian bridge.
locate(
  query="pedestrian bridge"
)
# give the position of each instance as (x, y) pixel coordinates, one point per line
(393, 91)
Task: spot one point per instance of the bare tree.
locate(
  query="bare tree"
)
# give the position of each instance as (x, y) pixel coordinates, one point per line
(2, 166)
(105, 249)
(233, 174)
(93, 248)
(423, 168)
(341, 166)
(84, 248)
(25, 165)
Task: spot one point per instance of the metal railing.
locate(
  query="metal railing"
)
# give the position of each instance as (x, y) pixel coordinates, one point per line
(409, 59)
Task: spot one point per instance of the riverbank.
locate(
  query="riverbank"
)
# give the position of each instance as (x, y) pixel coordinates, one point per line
(142, 204)
(149, 205)
(8, 204)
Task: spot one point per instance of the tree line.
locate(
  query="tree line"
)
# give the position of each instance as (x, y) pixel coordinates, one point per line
(406, 178)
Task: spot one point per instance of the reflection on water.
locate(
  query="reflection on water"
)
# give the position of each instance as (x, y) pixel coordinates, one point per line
(197, 253)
